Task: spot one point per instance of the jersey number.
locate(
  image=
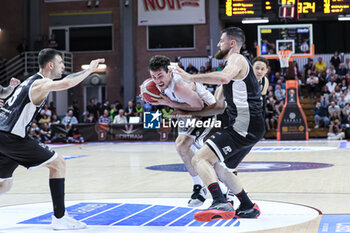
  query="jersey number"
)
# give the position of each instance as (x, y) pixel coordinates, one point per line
(14, 96)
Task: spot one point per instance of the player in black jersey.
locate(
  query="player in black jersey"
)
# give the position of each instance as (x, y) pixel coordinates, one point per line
(227, 148)
(17, 148)
(260, 68)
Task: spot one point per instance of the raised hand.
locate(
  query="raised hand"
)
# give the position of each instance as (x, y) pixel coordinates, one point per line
(94, 64)
(14, 82)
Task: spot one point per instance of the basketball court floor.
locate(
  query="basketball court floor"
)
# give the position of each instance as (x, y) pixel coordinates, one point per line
(300, 186)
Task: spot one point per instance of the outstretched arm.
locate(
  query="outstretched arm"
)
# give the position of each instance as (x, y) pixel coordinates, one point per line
(42, 87)
(236, 68)
(6, 91)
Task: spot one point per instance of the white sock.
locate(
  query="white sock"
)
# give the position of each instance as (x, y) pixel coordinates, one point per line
(197, 180)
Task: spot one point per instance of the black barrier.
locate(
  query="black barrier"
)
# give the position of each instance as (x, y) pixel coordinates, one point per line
(112, 132)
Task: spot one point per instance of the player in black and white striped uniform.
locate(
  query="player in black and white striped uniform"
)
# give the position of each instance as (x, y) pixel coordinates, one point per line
(16, 116)
(227, 148)
(181, 94)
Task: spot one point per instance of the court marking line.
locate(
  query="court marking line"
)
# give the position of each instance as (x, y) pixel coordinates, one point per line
(129, 216)
(121, 204)
(175, 220)
(175, 207)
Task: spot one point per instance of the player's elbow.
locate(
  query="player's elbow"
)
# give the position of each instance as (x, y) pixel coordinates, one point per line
(224, 79)
(198, 106)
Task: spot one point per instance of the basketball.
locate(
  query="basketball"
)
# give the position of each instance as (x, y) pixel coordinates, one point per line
(149, 90)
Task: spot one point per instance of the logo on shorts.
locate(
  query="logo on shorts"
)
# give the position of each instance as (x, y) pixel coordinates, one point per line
(226, 149)
(151, 120)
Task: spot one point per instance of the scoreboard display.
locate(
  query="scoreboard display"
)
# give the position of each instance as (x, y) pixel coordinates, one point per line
(297, 9)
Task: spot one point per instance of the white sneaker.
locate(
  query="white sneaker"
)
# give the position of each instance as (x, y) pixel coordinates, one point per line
(198, 197)
(66, 223)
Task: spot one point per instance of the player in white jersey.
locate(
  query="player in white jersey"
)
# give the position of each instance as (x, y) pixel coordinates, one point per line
(180, 94)
(16, 116)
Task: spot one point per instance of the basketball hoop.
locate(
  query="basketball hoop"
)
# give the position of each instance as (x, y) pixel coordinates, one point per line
(285, 57)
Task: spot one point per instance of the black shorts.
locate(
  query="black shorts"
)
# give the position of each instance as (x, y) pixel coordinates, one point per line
(197, 133)
(231, 147)
(27, 152)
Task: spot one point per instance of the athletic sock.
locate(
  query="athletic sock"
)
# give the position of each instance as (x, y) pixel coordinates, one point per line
(216, 193)
(57, 195)
(246, 203)
(197, 180)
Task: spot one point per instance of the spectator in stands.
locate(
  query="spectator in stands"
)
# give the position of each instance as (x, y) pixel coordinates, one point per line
(130, 110)
(69, 120)
(342, 102)
(74, 136)
(342, 71)
(312, 85)
(120, 118)
(202, 70)
(346, 113)
(220, 67)
(347, 63)
(54, 119)
(308, 66)
(104, 119)
(191, 69)
(296, 71)
(335, 60)
(331, 71)
(245, 52)
(92, 108)
(44, 119)
(337, 92)
(34, 131)
(166, 112)
(46, 111)
(320, 115)
(139, 110)
(343, 85)
(76, 110)
(280, 93)
(208, 67)
(106, 105)
(320, 66)
(52, 42)
(331, 84)
(45, 134)
(335, 130)
(334, 110)
(271, 115)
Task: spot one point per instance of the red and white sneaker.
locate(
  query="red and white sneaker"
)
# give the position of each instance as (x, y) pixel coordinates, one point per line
(217, 210)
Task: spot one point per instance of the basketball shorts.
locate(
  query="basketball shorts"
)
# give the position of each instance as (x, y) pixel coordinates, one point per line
(197, 133)
(231, 147)
(27, 152)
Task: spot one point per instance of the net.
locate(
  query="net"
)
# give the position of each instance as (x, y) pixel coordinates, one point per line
(285, 57)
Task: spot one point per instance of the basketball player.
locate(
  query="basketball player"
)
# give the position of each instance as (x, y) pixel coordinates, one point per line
(226, 149)
(189, 96)
(17, 148)
(260, 65)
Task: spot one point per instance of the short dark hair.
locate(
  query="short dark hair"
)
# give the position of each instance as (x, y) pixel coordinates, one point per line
(262, 59)
(158, 62)
(235, 33)
(47, 55)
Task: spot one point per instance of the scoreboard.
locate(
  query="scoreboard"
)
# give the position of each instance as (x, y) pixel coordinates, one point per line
(296, 9)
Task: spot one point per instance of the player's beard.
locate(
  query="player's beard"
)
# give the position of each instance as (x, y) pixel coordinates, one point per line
(221, 54)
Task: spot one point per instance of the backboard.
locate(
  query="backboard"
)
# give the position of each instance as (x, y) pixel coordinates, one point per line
(295, 37)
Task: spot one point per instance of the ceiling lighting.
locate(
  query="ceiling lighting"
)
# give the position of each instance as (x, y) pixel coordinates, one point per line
(255, 20)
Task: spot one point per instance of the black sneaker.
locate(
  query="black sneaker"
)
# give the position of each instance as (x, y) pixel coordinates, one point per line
(217, 210)
(198, 197)
(253, 212)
